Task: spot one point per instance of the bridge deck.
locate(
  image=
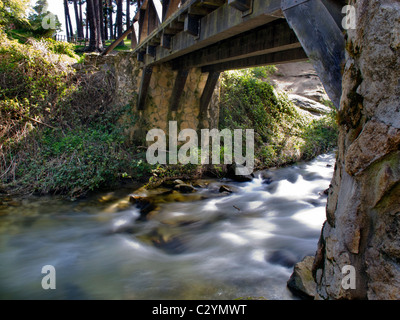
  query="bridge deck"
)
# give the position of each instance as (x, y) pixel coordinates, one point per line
(219, 35)
(199, 24)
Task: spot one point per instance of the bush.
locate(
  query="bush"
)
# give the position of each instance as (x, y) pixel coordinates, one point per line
(30, 84)
(282, 134)
(59, 132)
(60, 47)
(77, 161)
(320, 136)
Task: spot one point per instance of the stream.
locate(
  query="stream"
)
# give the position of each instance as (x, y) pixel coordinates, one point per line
(203, 245)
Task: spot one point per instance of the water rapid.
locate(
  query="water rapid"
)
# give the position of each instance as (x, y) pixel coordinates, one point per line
(203, 245)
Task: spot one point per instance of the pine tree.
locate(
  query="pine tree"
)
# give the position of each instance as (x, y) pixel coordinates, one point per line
(93, 15)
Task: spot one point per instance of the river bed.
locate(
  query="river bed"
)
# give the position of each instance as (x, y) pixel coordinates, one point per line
(203, 245)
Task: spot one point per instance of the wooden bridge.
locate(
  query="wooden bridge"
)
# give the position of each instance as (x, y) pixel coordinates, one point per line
(219, 35)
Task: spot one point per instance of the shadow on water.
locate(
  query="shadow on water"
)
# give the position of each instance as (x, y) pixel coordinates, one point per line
(207, 245)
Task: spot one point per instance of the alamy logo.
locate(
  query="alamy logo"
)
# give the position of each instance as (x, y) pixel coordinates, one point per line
(349, 21)
(349, 279)
(49, 280)
(189, 152)
(49, 20)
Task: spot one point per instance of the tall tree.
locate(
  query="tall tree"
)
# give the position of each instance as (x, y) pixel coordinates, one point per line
(12, 11)
(42, 22)
(120, 19)
(128, 13)
(105, 13)
(96, 42)
(80, 14)
(79, 26)
(110, 11)
(68, 24)
(101, 20)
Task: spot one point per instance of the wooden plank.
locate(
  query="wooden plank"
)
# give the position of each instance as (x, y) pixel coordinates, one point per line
(177, 91)
(177, 25)
(199, 11)
(220, 24)
(172, 7)
(153, 20)
(144, 86)
(242, 5)
(213, 3)
(322, 40)
(142, 25)
(140, 56)
(192, 25)
(275, 36)
(292, 55)
(208, 91)
(182, 17)
(166, 41)
(133, 38)
(151, 50)
(165, 5)
(113, 45)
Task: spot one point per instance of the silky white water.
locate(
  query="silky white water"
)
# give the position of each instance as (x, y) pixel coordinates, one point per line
(217, 246)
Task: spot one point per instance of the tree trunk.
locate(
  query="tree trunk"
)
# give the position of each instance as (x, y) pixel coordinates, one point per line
(120, 20)
(81, 17)
(66, 18)
(95, 43)
(79, 30)
(105, 13)
(111, 23)
(99, 38)
(68, 24)
(101, 20)
(128, 16)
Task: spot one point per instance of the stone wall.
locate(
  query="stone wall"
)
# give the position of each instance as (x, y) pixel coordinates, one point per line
(363, 210)
(158, 111)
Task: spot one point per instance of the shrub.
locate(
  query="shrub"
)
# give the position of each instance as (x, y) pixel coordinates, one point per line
(282, 134)
(59, 131)
(60, 47)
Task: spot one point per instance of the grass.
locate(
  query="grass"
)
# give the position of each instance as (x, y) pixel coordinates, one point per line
(126, 47)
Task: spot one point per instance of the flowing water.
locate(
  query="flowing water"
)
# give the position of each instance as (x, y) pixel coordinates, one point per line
(204, 245)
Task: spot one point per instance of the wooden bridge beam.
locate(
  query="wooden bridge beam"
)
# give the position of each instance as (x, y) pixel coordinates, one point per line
(275, 36)
(291, 55)
(208, 91)
(222, 23)
(144, 86)
(322, 40)
(113, 45)
(192, 25)
(242, 5)
(177, 91)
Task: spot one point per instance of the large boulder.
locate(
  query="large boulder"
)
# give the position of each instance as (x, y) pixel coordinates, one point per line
(302, 283)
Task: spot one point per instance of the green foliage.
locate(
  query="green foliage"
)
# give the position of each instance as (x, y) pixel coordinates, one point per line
(320, 136)
(263, 72)
(250, 103)
(79, 160)
(60, 47)
(282, 134)
(59, 131)
(29, 79)
(41, 15)
(12, 11)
